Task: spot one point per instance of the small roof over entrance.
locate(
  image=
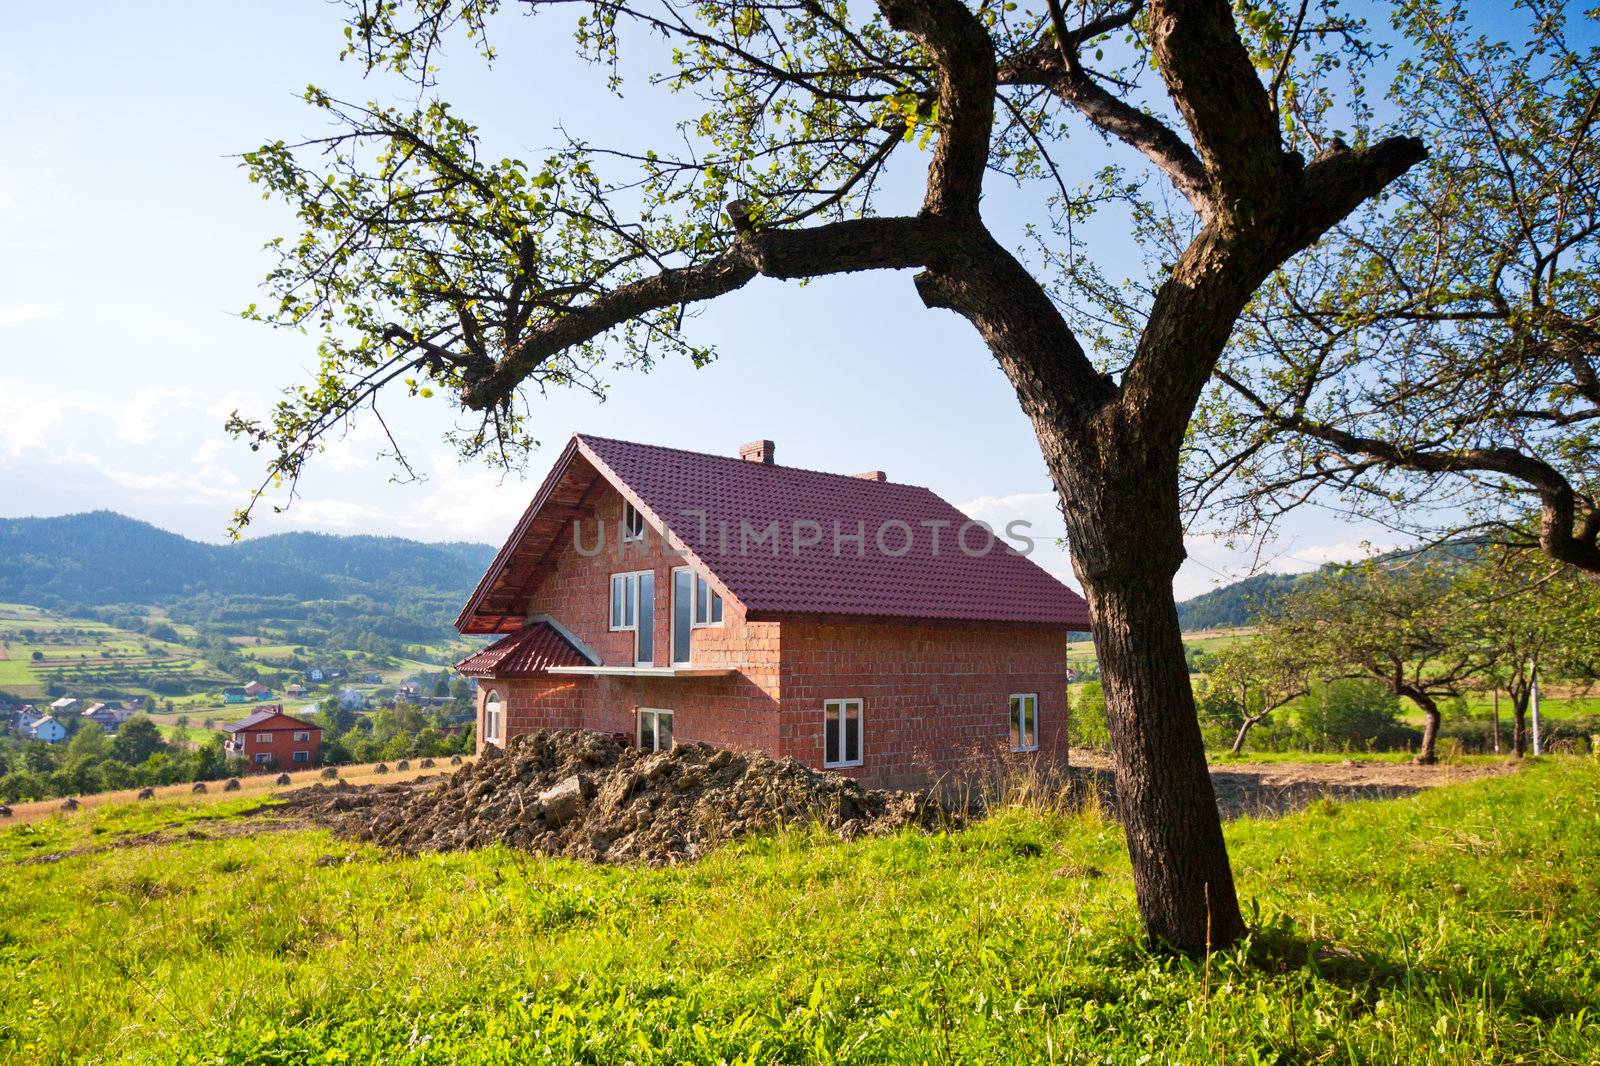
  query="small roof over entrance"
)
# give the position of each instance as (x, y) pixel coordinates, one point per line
(535, 649)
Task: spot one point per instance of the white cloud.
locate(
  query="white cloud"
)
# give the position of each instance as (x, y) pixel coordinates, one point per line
(28, 416)
(20, 313)
(212, 483)
(209, 451)
(141, 417)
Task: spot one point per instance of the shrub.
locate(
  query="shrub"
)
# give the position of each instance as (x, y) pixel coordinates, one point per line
(1086, 719)
(1353, 714)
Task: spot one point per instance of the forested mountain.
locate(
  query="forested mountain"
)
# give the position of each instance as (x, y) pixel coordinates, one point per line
(1235, 604)
(400, 589)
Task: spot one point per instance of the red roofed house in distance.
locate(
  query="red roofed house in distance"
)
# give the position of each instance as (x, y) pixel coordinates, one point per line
(853, 623)
(272, 740)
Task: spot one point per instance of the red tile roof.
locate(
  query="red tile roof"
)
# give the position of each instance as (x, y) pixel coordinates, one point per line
(259, 719)
(534, 649)
(917, 583)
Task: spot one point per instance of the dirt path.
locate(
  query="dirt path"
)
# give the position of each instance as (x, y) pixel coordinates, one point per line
(261, 785)
(1245, 788)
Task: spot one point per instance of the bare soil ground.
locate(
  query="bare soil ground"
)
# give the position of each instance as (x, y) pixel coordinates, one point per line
(584, 795)
(1268, 789)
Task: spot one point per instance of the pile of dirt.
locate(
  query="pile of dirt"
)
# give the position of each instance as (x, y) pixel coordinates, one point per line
(585, 795)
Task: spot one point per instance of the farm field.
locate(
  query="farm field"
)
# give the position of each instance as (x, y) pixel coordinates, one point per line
(84, 654)
(1455, 925)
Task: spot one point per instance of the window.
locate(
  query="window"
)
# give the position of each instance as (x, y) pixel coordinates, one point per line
(1024, 722)
(707, 604)
(655, 729)
(302, 734)
(263, 757)
(632, 523)
(263, 738)
(633, 609)
(492, 719)
(302, 756)
(841, 733)
(682, 613)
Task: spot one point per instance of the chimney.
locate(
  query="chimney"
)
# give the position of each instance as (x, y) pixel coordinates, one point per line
(872, 475)
(757, 451)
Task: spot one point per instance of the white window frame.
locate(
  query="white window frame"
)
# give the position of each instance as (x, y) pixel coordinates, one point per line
(263, 758)
(494, 727)
(672, 617)
(632, 516)
(303, 734)
(844, 704)
(1014, 712)
(711, 598)
(302, 756)
(263, 738)
(656, 712)
(632, 610)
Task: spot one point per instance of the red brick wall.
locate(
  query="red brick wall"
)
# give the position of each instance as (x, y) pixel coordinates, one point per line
(282, 748)
(734, 711)
(935, 697)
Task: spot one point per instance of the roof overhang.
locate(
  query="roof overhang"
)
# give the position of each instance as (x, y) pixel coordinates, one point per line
(643, 671)
(499, 603)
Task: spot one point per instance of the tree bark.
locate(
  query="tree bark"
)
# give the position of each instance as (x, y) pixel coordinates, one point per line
(1244, 731)
(1519, 723)
(1165, 799)
(1430, 727)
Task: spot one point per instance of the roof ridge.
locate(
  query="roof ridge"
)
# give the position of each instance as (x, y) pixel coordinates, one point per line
(747, 463)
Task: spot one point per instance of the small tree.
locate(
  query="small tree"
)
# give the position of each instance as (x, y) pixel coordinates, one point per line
(1531, 614)
(1259, 676)
(137, 739)
(1397, 622)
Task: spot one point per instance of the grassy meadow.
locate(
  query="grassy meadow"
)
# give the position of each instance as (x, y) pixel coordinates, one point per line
(1458, 925)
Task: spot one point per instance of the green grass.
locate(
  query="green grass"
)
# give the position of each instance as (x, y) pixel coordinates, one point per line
(1456, 926)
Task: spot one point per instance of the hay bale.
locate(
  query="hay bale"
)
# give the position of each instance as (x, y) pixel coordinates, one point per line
(329, 773)
(147, 793)
(199, 786)
(283, 779)
(455, 760)
(402, 765)
(426, 764)
(5, 812)
(70, 805)
(381, 768)
(232, 785)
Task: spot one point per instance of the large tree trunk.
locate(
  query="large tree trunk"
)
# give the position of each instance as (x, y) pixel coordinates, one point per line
(1125, 532)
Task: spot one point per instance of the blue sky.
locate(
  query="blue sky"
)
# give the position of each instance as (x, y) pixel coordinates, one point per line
(129, 239)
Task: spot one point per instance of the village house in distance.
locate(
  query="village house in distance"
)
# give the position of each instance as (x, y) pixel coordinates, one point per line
(850, 622)
(272, 740)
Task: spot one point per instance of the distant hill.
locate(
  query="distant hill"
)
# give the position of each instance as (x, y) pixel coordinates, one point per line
(1238, 603)
(102, 558)
(1235, 604)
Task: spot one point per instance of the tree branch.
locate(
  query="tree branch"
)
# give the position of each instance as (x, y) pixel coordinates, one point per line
(1211, 79)
(964, 56)
(835, 248)
(1056, 65)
